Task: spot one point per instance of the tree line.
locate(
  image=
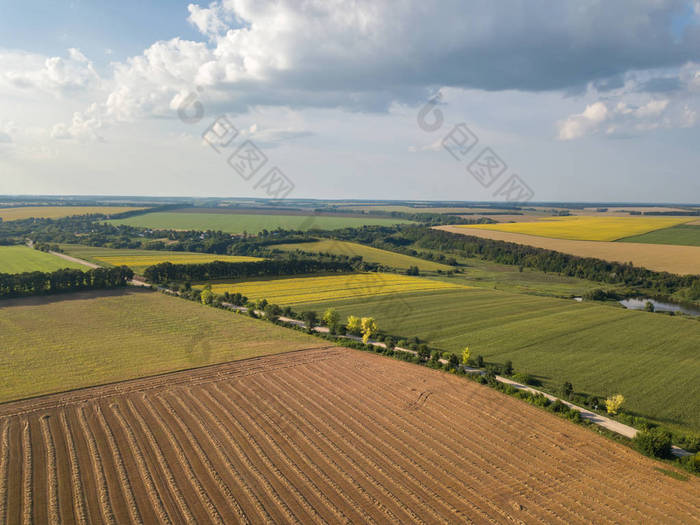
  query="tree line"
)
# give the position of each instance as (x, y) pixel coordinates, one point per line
(65, 280)
(411, 240)
(165, 272)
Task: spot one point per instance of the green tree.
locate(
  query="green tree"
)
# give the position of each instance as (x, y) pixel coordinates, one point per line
(452, 361)
(310, 318)
(567, 389)
(423, 351)
(654, 442)
(272, 312)
(331, 318)
(508, 368)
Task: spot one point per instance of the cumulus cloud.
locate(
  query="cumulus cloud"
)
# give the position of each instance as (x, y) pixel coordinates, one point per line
(54, 75)
(364, 55)
(644, 102)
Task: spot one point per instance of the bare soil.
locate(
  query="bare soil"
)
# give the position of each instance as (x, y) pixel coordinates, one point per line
(329, 435)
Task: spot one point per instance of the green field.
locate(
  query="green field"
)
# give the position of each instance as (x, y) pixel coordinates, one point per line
(18, 259)
(652, 359)
(487, 274)
(250, 223)
(82, 339)
(682, 235)
(368, 254)
(139, 260)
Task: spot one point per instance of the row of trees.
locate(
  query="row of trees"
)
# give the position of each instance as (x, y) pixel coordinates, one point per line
(165, 272)
(66, 280)
(561, 263)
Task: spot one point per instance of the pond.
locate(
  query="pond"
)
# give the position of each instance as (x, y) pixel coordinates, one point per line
(639, 303)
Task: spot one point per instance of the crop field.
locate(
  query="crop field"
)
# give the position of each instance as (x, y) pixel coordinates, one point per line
(250, 223)
(298, 290)
(509, 278)
(324, 436)
(139, 260)
(18, 259)
(651, 359)
(663, 258)
(585, 228)
(57, 212)
(424, 209)
(682, 235)
(68, 341)
(368, 254)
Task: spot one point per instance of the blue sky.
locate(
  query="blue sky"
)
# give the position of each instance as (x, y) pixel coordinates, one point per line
(582, 99)
(126, 27)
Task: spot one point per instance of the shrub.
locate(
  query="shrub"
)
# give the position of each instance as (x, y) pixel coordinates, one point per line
(654, 442)
(479, 361)
(540, 400)
(453, 361)
(567, 389)
(525, 379)
(423, 351)
(508, 368)
(558, 406)
(692, 463)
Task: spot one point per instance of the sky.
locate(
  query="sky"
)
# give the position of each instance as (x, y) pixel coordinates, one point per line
(469, 100)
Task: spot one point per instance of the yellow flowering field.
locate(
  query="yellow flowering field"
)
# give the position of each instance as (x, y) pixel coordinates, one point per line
(299, 290)
(56, 212)
(584, 228)
(138, 263)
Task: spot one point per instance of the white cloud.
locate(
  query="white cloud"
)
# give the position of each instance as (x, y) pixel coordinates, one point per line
(366, 55)
(645, 101)
(55, 75)
(84, 125)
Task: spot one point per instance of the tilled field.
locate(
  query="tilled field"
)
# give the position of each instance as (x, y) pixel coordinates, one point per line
(317, 436)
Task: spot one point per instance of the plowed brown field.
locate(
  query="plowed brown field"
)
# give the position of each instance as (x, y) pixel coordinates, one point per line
(317, 436)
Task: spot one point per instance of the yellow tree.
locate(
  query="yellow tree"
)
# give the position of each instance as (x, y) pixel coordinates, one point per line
(354, 325)
(614, 403)
(369, 328)
(207, 296)
(466, 354)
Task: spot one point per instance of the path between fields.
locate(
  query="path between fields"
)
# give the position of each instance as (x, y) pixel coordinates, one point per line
(74, 259)
(605, 422)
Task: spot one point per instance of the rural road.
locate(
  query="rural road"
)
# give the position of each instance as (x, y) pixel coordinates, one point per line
(605, 422)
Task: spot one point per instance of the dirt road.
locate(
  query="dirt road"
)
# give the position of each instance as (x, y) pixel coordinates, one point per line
(75, 259)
